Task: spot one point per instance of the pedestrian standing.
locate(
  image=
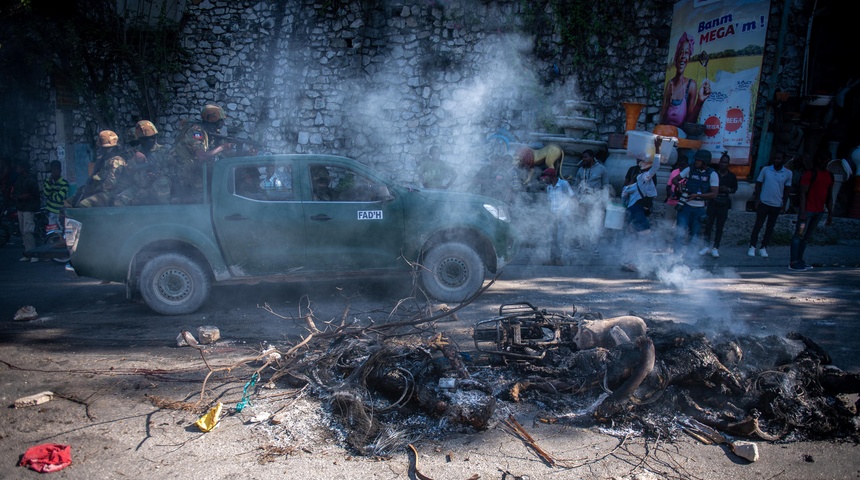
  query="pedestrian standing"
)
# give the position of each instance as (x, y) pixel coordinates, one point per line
(55, 190)
(25, 194)
(591, 187)
(702, 185)
(673, 192)
(559, 194)
(815, 198)
(771, 190)
(719, 206)
(638, 196)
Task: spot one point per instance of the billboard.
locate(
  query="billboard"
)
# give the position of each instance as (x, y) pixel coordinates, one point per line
(712, 77)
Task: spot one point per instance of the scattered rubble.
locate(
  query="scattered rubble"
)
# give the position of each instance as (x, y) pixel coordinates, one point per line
(386, 385)
(208, 334)
(32, 400)
(25, 313)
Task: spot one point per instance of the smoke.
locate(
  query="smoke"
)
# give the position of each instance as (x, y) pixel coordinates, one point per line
(454, 96)
(450, 99)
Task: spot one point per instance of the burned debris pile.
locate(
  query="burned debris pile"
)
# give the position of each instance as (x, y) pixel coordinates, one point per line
(389, 384)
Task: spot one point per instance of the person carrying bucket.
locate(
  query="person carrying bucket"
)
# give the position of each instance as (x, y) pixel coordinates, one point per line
(639, 196)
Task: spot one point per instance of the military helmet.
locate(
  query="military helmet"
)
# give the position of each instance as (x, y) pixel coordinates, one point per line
(144, 128)
(212, 113)
(107, 138)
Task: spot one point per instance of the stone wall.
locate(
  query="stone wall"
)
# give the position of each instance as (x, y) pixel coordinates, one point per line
(381, 81)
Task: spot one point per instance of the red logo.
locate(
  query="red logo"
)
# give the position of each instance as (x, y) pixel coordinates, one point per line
(734, 119)
(712, 126)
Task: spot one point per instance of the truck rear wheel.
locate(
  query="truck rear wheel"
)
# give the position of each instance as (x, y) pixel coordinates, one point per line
(173, 284)
(452, 272)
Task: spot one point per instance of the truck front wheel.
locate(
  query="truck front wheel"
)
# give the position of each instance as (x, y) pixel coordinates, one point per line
(452, 272)
(173, 284)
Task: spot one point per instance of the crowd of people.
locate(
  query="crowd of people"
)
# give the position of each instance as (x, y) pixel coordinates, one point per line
(698, 201)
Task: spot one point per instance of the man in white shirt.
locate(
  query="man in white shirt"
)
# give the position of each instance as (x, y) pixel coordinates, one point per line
(559, 194)
(771, 190)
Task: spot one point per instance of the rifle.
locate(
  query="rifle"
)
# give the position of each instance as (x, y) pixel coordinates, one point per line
(239, 143)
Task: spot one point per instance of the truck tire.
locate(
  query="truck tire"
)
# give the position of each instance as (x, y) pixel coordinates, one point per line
(452, 272)
(173, 284)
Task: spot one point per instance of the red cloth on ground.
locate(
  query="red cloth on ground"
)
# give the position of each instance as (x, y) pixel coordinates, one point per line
(47, 457)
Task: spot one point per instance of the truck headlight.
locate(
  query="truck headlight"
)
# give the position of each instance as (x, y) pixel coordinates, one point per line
(498, 211)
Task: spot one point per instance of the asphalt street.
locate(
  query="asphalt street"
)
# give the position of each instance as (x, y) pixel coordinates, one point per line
(110, 356)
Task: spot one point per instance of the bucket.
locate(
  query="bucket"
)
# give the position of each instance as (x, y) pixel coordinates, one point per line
(614, 219)
(640, 144)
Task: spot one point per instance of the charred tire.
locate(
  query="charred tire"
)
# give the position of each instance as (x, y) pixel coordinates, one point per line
(173, 284)
(452, 272)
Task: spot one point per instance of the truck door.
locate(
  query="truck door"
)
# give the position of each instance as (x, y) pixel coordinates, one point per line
(352, 222)
(258, 219)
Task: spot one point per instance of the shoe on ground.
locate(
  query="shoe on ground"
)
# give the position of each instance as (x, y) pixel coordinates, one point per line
(806, 266)
(715, 253)
(34, 260)
(704, 250)
(795, 267)
(751, 252)
(762, 253)
(23, 259)
(629, 267)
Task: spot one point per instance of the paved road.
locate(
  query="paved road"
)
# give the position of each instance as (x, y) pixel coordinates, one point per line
(735, 292)
(85, 325)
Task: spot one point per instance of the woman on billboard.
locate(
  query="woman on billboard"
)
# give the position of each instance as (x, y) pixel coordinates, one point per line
(682, 100)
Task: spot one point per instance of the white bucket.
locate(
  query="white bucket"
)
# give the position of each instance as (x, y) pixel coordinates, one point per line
(640, 145)
(614, 216)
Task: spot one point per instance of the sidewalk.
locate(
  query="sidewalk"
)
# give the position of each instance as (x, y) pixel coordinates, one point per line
(844, 256)
(837, 245)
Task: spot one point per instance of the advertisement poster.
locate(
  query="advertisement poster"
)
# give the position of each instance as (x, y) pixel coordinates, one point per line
(712, 78)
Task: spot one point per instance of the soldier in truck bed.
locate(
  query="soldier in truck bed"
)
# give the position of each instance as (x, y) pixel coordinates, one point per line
(196, 145)
(106, 173)
(147, 180)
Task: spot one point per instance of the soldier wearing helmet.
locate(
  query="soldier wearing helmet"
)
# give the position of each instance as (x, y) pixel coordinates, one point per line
(196, 146)
(105, 173)
(148, 179)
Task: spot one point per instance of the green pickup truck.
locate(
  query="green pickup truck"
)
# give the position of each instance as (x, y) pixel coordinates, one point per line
(292, 218)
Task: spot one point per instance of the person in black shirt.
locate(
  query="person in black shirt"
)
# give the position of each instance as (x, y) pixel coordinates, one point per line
(718, 207)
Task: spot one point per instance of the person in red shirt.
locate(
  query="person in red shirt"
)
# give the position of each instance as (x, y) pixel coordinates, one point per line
(815, 199)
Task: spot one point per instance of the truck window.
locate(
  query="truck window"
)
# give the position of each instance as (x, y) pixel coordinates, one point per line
(337, 184)
(266, 181)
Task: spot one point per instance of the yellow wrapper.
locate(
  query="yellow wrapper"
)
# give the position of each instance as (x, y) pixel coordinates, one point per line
(210, 420)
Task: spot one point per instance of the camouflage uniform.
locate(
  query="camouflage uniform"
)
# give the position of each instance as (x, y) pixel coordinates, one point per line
(147, 180)
(193, 151)
(102, 186)
(188, 168)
